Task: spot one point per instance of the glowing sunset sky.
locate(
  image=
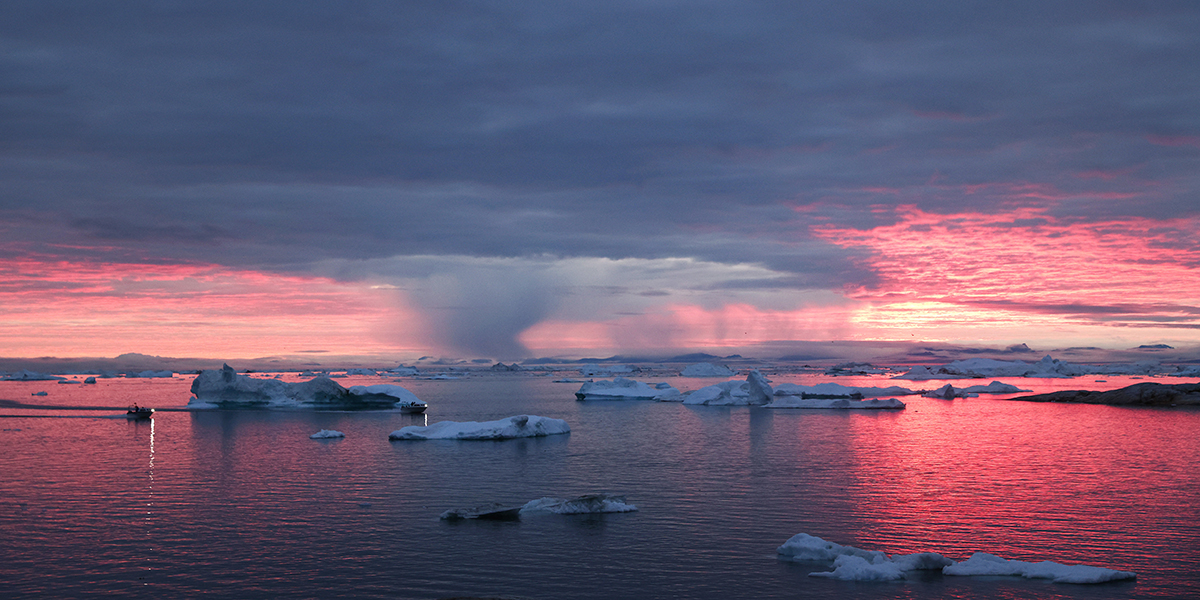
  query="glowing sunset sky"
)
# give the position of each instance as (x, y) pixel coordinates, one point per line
(508, 180)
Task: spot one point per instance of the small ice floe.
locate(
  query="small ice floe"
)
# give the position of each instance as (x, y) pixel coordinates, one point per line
(568, 380)
(995, 387)
(754, 391)
(326, 434)
(590, 370)
(836, 390)
(503, 429)
(627, 389)
(40, 394)
(854, 564)
(367, 372)
(90, 380)
(69, 382)
(707, 370)
(982, 563)
(495, 511)
(582, 505)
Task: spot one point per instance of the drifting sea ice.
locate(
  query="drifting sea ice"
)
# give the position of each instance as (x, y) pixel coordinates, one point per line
(326, 434)
(982, 563)
(503, 429)
(707, 370)
(827, 390)
(582, 505)
(854, 564)
(626, 389)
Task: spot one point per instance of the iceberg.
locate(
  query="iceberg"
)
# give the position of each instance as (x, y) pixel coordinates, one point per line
(403, 371)
(994, 387)
(754, 391)
(627, 389)
(581, 505)
(25, 375)
(326, 434)
(367, 372)
(503, 429)
(707, 370)
(834, 390)
(90, 380)
(982, 563)
(589, 370)
(948, 392)
(226, 388)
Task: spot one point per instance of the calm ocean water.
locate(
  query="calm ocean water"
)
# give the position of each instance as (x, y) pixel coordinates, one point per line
(242, 504)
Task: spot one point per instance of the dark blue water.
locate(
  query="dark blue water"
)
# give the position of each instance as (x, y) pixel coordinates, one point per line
(242, 504)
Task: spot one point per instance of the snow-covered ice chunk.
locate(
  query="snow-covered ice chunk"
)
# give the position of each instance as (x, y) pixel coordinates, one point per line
(805, 548)
(626, 389)
(842, 403)
(854, 564)
(587, 504)
(948, 392)
(857, 568)
(982, 563)
(707, 370)
(503, 429)
(325, 434)
(754, 391)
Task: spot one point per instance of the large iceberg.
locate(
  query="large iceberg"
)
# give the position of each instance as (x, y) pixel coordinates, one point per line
(512, 427)
(226, 388)
(627, 389)
(707, 370)
(853, 564)
(982, 563)
(754, 391)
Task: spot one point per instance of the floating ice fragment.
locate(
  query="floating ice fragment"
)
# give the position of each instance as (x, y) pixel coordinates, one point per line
(325, 434)
(512, 427)
(982, 563)
(707, 370)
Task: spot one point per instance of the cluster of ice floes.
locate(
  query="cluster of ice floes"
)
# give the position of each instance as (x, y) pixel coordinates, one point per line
(226, 388)
(627, 389)
(513, 427)
(26, 375)
(854, 564)
(590, 370)
(977, 368)
(949, 392)
(150, 374)
(707, 370)
(754, 391)
(326, 434)
(835, 390)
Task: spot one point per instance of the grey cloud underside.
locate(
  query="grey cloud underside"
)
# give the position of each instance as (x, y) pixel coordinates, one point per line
(280, 134)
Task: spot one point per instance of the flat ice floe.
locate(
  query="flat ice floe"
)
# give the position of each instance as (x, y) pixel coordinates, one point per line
(326, 434)
(581, 505)
(754, 391)
(627, 389)
(503, 429)
(854, 564)
(26, 375)
(982, 563)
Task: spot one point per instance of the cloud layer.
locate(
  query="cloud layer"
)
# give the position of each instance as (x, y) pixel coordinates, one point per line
(663, 167)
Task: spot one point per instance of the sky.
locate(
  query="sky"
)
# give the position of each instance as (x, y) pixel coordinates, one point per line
(507, 180)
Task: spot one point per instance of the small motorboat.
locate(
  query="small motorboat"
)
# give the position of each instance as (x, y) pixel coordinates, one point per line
(139, 412)
(412, 408)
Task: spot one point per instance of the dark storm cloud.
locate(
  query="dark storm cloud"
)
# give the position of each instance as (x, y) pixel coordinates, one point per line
(275, 134)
